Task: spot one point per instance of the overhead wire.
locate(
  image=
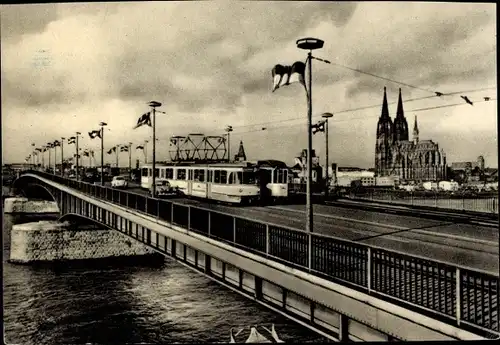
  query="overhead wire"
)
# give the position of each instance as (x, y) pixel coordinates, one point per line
(358, 118)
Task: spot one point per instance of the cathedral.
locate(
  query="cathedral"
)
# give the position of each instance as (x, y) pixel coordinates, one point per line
(395, 155)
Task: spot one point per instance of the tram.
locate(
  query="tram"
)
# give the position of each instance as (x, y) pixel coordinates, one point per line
(273, 176)
(235, 183)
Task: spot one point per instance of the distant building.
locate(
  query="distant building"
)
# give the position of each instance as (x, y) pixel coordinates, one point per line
(299, 169)
(479, 163)
(395, 155)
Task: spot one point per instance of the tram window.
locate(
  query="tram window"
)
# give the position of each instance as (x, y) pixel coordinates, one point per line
(150, 172)
(239, 177)
(223, 177)
(210, 174)
(162, 173)
(201, 175)
(248, 177)
(181, 174)
(157, 172)
(169, 173)
(144, 172)
(190, 175)
(217, 176)
(235, 177)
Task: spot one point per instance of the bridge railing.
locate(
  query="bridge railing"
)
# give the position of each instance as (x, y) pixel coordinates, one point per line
(458, 294)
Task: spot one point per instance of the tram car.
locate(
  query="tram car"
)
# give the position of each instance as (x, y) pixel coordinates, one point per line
(233, 183)
(236, 183)
(273, 178)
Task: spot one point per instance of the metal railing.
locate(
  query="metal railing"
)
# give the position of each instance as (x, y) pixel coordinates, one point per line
(484, 203)
(459, 295)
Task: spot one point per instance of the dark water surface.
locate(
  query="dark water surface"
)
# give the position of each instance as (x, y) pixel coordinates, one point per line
(100, 301)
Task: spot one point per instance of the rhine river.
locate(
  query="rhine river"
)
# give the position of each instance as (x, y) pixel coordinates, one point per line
(102, 302)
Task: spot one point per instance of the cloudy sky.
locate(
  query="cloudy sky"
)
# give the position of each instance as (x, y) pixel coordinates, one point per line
(66, 67)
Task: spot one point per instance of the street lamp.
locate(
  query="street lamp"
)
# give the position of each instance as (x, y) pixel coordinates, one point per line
(229, 129)
(154, 105)
(62, 156)
(326, 116)
(77, 155)
(33, 154)
(49, 146)
(102, 124)
(309, 44)
(130, 160)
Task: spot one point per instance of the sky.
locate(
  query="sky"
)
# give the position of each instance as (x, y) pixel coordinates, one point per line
(67, 67)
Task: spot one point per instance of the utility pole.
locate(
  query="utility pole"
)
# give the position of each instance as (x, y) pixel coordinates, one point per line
(33, 154)
(229, 129)
(62, 156)
(154, 105)
(77, 157)
(326, 116)
(102, 124)
(129, 161)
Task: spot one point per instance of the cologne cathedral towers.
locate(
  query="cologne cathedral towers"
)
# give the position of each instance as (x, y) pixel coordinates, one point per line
(396, 155)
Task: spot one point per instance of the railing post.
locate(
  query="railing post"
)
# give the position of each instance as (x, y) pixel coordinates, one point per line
(369, 269)
(189, 218)
(234, 229)
(209, 221)
(458, 294)
(267, 239)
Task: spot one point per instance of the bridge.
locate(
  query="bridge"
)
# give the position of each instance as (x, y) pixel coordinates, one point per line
(342, 289)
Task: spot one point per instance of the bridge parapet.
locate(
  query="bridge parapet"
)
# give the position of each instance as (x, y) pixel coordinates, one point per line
(457, 295)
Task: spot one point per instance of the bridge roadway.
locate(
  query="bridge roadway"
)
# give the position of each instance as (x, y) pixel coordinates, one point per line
(467, 245)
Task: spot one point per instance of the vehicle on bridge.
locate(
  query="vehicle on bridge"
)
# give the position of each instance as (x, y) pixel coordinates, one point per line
(119, 182)
(234, 183)
(163, 189)
(266, 181)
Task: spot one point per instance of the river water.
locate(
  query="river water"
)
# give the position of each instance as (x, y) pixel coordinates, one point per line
(100, 301)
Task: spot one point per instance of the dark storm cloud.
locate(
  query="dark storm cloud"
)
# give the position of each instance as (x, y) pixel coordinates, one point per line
(19, 20)
(424, 58)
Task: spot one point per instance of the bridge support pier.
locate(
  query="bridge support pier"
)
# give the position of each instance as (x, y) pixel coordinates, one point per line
(25, 205)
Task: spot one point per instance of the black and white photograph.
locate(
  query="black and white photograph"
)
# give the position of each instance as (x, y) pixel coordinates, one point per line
(249, 172)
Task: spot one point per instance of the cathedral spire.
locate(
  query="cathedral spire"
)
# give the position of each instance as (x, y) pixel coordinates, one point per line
(400, 112)
(415, 130)
(400, 124)
(385, 107)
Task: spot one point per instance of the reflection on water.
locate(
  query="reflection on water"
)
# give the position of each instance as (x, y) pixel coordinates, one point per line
(128, 302)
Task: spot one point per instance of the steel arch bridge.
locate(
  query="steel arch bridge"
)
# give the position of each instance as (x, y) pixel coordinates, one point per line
(422, 298)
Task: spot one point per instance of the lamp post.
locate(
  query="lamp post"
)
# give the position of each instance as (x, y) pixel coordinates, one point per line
(77, 156)
(117, 151)
(326, 116)
(49, 146)
(309, 44)
(62, 156)
(102, 124)
(33, 154)
(229, 129)
(154, 105)
(43, 157)
(146, 151)
(130, 161)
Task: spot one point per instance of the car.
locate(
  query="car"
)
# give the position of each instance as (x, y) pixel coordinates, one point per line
(163, 188)
(119, 182)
